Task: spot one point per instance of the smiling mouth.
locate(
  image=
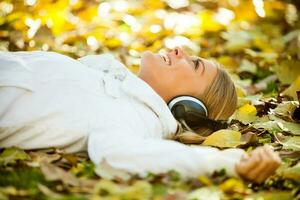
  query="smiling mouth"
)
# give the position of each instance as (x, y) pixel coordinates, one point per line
(166, 58)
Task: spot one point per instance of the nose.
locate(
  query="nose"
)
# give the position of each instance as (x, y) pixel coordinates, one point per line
(178, 52)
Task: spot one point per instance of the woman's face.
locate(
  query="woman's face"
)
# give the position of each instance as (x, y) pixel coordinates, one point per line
(176, 73)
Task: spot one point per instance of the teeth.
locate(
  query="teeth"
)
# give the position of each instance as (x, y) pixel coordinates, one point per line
(166, 58)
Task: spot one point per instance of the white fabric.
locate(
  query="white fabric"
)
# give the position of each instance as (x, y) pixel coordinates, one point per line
(96, 104)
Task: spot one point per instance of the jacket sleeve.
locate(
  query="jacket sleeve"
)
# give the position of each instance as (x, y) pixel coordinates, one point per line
(14, 72)
(136, 155)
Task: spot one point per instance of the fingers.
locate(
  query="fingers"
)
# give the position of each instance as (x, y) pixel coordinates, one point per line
(275, 156)
(248, 162)
(273, 162)
(259, 165)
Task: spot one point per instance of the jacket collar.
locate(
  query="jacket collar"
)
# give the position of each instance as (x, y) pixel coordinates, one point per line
(114, 71)
(143, 92)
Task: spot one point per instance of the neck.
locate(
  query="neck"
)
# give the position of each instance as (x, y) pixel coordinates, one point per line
(162, 94)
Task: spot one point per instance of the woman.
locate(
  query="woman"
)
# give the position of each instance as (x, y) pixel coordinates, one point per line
(96, 104)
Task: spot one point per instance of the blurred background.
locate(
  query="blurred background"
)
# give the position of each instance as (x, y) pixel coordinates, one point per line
(254, 39)
(258, 41)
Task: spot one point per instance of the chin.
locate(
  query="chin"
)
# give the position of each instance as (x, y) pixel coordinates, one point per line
(146, 54)
(146, 57)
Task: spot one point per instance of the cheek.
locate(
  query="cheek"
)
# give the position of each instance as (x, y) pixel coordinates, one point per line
(185, 80)
(184, 74)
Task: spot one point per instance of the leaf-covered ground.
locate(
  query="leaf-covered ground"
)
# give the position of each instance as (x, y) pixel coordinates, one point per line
(257, 41)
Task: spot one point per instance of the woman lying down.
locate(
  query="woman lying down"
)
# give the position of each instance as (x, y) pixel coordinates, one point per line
(123, 121)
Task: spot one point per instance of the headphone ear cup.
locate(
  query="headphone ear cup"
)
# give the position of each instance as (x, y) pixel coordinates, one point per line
(194, 113)
(190, 104)
(178, 111)
(183, 108)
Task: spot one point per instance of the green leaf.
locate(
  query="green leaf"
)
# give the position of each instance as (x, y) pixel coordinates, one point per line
(206, 193)
(285, 109)
(270, 126)
(237, 40)
(291, 127)
(267, 56)
(292, 172)
(292, 143)
(247, 66)
(137, 190)
(159, 189)
(273, 195)
(275, 125)
(12, 155)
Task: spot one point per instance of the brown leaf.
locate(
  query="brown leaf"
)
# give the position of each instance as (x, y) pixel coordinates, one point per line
(249, 138)
(53, 173)
(38, 156)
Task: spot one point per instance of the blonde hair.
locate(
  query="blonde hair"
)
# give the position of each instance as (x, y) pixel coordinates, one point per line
(220, 99)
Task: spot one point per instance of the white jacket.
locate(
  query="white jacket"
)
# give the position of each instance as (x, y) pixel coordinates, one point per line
(96, 104)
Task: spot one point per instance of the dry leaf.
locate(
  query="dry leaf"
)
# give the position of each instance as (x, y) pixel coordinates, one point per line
(224, 138)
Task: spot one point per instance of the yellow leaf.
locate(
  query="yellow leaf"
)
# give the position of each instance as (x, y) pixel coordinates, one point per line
(294, 87)
(208, 23)
(241, 92)
(233, 185)
(246, 114)
(228, 62)
(113, 43)
(205, 180)
(224, 138)
(154, 4)
(287, 71)
(89, 13)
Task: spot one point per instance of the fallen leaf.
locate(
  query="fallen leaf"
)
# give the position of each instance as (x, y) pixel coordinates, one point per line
(293, 88)
(206, 193)
(271, 195)
(287, 71)
(292, 172)
(292, 143)
(39, 157)
(224, 138)
(285, 109)
(237, 40)
(271, 126)
(137, 190)
(247, 66)
(291, 127)
(233, 185)
(46, 191)
(249, 138)
(12, 155)
(53, 173)
(246, 114)
(106, 171)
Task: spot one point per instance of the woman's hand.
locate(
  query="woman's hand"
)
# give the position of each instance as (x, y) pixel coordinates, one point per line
(259, 164)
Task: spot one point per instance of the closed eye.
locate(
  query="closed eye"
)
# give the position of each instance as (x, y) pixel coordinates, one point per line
(197, 64)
